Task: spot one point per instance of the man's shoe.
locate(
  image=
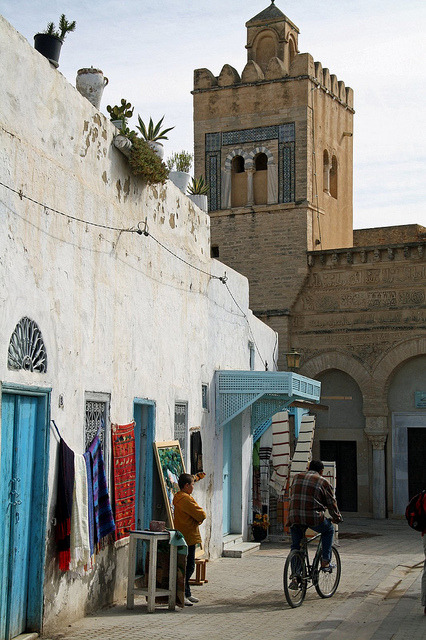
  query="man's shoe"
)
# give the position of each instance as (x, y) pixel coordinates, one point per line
(294, 585)
(193, 599)
(188, 602)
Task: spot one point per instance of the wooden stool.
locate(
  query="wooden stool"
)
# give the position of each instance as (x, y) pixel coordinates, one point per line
(200, 572)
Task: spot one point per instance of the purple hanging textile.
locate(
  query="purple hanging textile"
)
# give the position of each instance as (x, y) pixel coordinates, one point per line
(104, 520)
(88, 461)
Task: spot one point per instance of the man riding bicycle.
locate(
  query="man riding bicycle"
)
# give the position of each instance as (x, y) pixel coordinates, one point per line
(310, 496)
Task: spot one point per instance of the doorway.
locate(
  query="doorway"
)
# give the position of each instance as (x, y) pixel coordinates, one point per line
(144, 416)
(23, 507)
(408, 456)
(343, 453)
(416, 448)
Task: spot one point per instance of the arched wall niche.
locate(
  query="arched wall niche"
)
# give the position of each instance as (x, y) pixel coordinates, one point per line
(265, 47)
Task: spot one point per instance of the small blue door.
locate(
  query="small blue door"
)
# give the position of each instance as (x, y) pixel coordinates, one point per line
(144, 415)
(227, 478)
(22, 509)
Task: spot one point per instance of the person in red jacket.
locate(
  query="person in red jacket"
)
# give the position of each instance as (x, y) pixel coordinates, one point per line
(188, 515)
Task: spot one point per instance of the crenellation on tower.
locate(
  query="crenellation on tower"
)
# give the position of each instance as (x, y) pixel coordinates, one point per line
(275, 146)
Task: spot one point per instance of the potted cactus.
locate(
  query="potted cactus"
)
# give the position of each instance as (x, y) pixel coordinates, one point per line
(197, 192)
(153, 133)
(179, 165)
(49, 43)
(119, 113)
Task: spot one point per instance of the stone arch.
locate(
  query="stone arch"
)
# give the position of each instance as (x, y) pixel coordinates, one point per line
(292, 49)
(261, 149)
(238, 171)
(248, 159)
(394, 359)
(337, 360)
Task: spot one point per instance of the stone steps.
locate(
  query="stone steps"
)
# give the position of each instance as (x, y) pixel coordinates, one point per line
(234, 547)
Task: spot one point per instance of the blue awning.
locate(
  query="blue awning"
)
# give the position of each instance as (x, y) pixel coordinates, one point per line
(267, 392)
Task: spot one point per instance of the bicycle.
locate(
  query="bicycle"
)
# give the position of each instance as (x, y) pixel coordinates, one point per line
(298, 571)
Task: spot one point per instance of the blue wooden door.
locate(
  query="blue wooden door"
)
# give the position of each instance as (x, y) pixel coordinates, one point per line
(227, 473)
(144, 415)
(20, 514)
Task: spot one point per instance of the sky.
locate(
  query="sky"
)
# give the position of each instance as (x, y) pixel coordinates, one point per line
(149, 50)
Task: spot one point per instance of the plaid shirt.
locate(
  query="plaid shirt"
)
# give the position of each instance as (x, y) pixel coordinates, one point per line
(310, 495)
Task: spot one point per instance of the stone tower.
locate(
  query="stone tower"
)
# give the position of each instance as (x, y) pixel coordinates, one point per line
(275, 145)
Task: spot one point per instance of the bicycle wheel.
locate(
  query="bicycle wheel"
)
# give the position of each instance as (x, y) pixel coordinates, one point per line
(326, 581)
(295, 578)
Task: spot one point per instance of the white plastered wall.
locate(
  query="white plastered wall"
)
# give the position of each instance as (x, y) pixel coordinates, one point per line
(118, 313)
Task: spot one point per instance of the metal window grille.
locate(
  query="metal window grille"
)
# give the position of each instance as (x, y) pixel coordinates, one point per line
(26, 347)
(205, 396)
(181, 427)
(96, 419)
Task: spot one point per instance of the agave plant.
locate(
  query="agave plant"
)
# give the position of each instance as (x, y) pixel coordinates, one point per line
(153, 132)
(199, 187)
(64, 28)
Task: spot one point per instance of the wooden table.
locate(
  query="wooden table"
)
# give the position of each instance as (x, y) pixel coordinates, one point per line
(151, 592)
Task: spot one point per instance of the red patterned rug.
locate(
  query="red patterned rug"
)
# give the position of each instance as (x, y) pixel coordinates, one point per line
(123, 447)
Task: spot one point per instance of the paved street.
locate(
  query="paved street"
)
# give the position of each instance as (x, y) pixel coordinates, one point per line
(378, 597)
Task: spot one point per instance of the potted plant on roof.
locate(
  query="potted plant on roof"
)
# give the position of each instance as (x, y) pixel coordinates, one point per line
(119, 113)
(153, 133)
(259, 527)
(179, 165)
(145, 162)
(197, 191)
(49, 42)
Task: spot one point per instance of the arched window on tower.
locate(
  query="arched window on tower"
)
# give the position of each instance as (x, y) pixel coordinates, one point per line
(333, 177)
(326, 172)
(238, 182)
(260, 179)
(292, 49)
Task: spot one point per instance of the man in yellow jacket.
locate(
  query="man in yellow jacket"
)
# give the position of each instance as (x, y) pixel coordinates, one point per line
(187, 518)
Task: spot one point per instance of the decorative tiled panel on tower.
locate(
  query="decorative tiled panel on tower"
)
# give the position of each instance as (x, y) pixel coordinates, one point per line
(286, 136)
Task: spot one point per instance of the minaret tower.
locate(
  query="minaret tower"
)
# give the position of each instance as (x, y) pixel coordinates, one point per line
(275, 145)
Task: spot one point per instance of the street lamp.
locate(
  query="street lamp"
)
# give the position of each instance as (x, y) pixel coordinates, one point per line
(293, 360)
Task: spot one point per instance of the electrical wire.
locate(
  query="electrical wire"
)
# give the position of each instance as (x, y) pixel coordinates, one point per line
(67, 215)
(143, 231)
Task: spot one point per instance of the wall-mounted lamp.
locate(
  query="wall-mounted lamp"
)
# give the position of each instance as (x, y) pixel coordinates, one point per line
(293, 360)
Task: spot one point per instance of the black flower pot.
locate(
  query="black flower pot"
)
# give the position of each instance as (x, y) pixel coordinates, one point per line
(49, 46)
(259, 534)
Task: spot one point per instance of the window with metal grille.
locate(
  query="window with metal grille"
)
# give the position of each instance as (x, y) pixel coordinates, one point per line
(97, 419)
(181, 428)
(205, 396)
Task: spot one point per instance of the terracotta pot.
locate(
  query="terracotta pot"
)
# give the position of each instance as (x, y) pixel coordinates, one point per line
(91, 84)
(49, 47)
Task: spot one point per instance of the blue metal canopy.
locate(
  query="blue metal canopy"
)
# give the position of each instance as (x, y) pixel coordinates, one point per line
(267, 392)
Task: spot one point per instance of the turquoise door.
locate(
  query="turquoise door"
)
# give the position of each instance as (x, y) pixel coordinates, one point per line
(227, 473)
(22, 512)
(144, 416)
